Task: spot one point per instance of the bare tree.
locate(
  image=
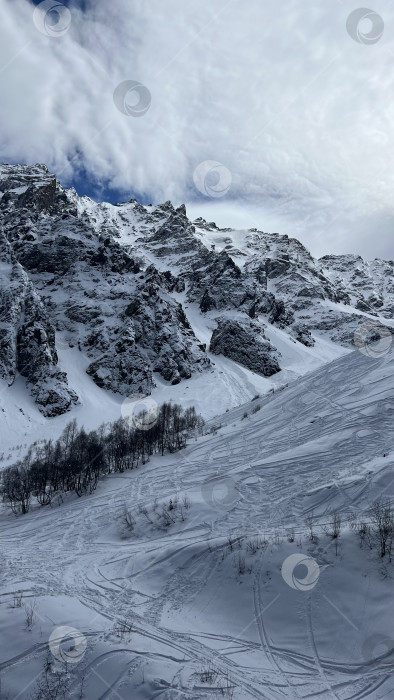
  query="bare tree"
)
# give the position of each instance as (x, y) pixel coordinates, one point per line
(241, 564)
(52, 686)
(333, 528)
(383, 519)
(128, 519)
(309, 521)
(17, 599)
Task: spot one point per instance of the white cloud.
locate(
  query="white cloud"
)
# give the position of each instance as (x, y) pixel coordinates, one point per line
(300, 114)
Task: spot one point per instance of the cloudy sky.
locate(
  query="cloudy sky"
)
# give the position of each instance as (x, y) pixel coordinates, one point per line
(278, 116)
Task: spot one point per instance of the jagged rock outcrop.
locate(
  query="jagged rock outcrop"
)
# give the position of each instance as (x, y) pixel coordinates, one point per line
(108, 301)
(244, 343)
(301, 333)
(119, 282)
(27, 339)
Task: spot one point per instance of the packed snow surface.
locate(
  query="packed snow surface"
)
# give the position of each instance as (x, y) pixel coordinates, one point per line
(209, 605)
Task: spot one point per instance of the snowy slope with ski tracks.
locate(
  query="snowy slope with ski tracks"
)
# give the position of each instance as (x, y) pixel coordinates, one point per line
(208, 617)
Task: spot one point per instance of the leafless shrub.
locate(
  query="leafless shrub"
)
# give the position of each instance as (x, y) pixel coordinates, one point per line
(207, 674)
(310, 521)
(30, 614)
(82, 680)
(352, 521)
(144, 511)
(333, 527)
(128, 519)
(290, 535)
(123, 628)
(254, 544)
(231, 542)
(186, 501)
(166, 518)
(52, 686)
(241, 564)
(173, 503)
(226, 686)
(383, 520)
(363, 529)
(17, 599)
(256, 408)
(277, 538)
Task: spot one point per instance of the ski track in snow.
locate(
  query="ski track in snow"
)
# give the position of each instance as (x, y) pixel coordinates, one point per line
(315, 446)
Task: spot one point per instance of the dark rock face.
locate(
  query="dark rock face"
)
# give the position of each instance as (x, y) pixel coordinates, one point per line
(207, 302)
(81, 281)
(280, 315)
(27, 339)
(277, 268)
(244, 344)
(303, 335)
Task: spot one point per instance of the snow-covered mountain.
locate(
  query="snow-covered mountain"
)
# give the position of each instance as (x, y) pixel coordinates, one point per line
(151, 299)
(247, 565)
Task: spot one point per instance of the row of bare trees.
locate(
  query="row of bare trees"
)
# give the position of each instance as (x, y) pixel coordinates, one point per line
(78, 459)
(375, 527)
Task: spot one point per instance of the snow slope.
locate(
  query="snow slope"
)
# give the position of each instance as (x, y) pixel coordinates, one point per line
(202, 615)
(225, 386)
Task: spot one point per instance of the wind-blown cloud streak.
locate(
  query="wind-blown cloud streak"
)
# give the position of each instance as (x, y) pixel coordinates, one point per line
(298, 112)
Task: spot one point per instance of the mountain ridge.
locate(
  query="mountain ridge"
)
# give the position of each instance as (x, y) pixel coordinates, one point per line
(131, 285)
